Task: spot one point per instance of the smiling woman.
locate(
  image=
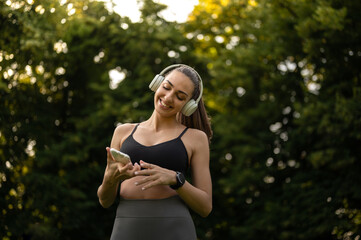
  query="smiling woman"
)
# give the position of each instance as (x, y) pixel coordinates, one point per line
(174, 141)
(172, 96)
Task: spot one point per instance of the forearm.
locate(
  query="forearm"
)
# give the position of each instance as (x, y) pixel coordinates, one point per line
(197, 197)
(107, 193)
(198, 200)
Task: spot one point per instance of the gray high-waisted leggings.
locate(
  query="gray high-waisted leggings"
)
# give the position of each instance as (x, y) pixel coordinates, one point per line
(154, 219)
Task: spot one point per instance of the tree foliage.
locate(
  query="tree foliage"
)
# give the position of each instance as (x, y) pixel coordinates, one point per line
(286, 85)
(282, 85)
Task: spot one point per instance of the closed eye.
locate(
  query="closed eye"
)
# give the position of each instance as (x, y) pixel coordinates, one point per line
(181, 99)
(168, 85)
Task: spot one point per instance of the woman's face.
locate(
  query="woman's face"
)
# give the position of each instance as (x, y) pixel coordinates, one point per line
(174, 92)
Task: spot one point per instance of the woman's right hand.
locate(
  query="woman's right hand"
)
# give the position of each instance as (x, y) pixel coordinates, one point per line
(116, 171)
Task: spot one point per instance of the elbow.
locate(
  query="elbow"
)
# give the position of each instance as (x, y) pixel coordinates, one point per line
(206, 211)
(207, 207)
(104, 204)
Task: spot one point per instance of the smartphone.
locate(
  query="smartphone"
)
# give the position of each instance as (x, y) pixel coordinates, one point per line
(120, 156)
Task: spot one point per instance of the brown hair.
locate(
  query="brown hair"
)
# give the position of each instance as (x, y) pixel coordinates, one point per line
(199, 119)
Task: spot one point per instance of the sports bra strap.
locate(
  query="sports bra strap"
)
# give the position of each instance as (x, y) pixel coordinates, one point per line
(135, 128)
(184, 131)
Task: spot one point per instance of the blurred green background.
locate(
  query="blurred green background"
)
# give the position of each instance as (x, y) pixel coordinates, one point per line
(282, 84)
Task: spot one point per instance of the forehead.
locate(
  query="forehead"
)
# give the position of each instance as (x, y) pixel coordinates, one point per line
(180, 81)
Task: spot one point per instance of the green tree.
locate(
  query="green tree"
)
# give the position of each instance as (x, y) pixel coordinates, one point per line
(59, 108)
(285, 83)
(282, 83)
(25, 95)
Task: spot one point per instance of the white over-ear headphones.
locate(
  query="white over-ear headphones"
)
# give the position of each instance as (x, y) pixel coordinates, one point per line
(191, 106)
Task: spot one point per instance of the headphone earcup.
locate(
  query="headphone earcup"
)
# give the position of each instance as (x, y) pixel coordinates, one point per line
(189, 108)
(157, 80)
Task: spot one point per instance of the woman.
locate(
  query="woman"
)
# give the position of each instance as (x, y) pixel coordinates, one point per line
(154, 193)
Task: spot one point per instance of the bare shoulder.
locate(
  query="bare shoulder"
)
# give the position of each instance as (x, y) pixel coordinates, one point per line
(121, 132)
(124, 128)
(196, 137)
(198, 134)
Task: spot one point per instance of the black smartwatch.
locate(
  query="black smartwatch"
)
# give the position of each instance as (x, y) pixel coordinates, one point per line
(180, 181)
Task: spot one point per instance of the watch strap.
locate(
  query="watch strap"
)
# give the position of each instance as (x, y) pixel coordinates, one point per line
(180, 181)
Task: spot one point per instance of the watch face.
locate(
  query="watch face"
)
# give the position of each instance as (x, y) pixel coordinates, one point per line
(181, 178)
(180, 181)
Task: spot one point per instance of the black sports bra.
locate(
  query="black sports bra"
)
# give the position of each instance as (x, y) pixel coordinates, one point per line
(171, 154)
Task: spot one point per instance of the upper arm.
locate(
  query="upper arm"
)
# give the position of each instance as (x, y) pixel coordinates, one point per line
(201, 177)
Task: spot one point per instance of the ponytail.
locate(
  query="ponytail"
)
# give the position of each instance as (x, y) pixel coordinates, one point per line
(199, 119)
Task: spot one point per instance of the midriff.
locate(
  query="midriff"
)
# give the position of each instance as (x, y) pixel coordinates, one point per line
(128, 190)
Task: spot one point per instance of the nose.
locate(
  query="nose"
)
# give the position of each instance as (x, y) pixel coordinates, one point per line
(168, 97)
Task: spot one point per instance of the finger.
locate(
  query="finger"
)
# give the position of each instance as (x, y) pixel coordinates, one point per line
(146, 165)
(140, 182)
(123, 169)
(134, 169)
(144, 172)
(145, 180)
(109, 155)
(137, 167)
(130, 166)
(151, 184)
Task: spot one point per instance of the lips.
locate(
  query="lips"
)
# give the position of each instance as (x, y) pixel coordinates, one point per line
(163, 105)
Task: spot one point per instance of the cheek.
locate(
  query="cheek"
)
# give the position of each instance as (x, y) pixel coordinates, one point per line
(181, 103)
(158, 92)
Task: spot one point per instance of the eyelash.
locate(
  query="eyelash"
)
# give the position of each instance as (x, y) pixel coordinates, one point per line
(181, 99)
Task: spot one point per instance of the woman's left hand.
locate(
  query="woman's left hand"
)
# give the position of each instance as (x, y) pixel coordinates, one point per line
(155, 175)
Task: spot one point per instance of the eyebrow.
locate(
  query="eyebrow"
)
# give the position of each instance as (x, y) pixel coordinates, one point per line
(178, 90)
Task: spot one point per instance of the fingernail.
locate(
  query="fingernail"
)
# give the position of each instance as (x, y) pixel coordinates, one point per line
(143, 188)
(136, 184)
(136, 173)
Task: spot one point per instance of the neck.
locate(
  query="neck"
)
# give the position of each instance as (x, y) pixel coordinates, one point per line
(158, 122)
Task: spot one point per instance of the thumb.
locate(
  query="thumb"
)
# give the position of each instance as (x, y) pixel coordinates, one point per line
(109, 155)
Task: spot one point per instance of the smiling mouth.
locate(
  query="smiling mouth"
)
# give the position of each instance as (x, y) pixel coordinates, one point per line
(163, 104)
